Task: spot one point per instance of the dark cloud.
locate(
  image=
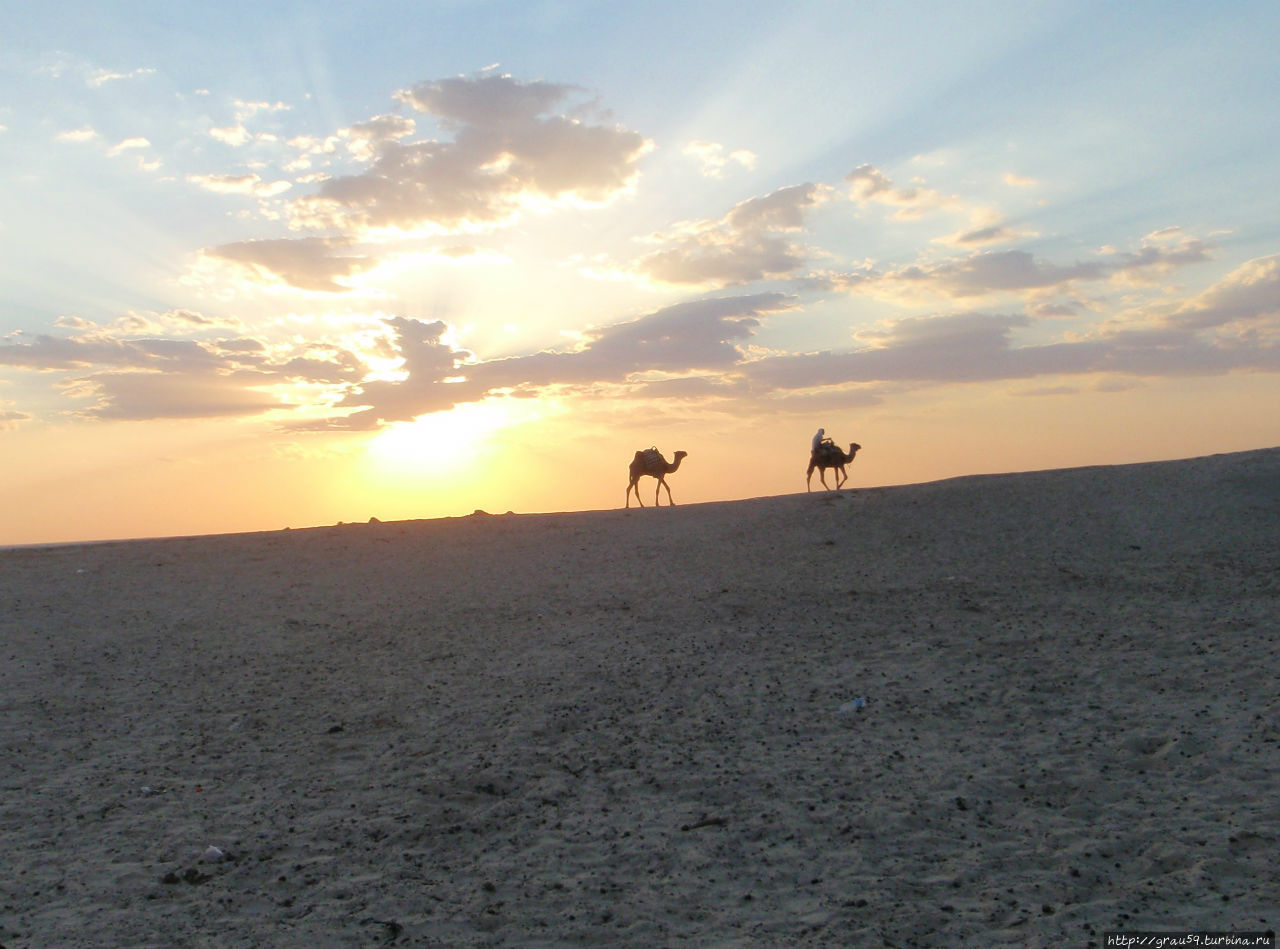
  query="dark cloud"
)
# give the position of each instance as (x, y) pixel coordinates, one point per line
(429, 365)
(993, 234)
(981, 347)
(183, 317)
(701, 335)
(50, 353)
(309, 263)
(1002, 270)
(965, 348)
(1154, 258)
(509, 147)
(1012, 271)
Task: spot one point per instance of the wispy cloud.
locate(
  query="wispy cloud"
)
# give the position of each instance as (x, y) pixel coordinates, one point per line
(100, 77)
(247, 184)
(128, 144)
(236, 134)
(82, 134)
(714, 160)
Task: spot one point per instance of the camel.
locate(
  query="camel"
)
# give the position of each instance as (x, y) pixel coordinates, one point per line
(650, 462)
(828, 455)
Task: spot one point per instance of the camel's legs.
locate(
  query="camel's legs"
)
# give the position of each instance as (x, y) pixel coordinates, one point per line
(634, 486)
(662, 483)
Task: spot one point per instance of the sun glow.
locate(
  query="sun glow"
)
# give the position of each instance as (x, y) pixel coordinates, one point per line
(442, 442)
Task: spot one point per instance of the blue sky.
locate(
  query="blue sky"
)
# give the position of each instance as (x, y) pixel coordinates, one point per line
(300, 226)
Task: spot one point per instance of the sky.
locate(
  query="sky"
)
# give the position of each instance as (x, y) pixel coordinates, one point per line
(269, 265)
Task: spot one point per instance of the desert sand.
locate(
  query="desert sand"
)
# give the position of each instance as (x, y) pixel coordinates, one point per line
(638, 728)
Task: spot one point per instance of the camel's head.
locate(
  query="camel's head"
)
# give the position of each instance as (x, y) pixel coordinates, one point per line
(681, 454)
(854, 448)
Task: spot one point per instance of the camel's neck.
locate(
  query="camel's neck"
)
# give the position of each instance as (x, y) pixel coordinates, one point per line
(679, 458)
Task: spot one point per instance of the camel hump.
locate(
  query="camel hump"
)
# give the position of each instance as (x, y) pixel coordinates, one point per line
(650, 456)
(830, 453)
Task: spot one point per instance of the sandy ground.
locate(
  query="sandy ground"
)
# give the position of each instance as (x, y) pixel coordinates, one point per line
(625, 728)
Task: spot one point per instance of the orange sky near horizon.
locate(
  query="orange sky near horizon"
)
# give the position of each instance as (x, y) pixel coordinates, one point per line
(244, 482)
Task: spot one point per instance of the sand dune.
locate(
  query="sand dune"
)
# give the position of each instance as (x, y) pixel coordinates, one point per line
(625, 727)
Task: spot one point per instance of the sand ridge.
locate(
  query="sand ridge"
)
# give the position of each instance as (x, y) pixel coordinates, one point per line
(622, 727)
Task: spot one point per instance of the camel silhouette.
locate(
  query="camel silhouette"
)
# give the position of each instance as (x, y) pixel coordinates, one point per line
(828, 455)
(650, 462)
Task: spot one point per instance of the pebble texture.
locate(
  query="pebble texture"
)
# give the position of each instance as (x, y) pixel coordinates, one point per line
(633, 728)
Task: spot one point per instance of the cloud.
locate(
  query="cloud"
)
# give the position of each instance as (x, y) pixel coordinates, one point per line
(10, 419)
(128, 144)
(135, 323)
(153, 377)
(233, 135)
(704, 335)
(1158, 255)
(510, 151)
(83, 134)
(429, 362)
(868, 184)
(248, 109)
(713, 160)
(1247, 299)
(101, 77)
(365, 140)
(981, 236)
(184, 317)
(701, 335)
(1004, 271)
(225, 378)
(981, 347)
(311, 263)
(236, 134)
(46, 352)
(747, 244)
(1016, 272)
(248, 184)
